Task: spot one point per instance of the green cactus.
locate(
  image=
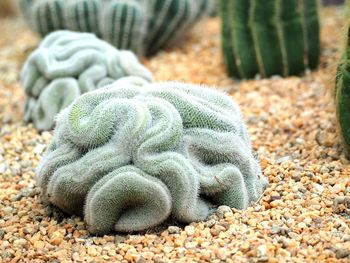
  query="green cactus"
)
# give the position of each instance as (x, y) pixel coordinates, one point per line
(82, 15)
(124, 25)
(169, 19)
(342, 97)
(68, 64)
(127, 156)
(209, 7)
(25, 8)
(48, 15)
(269, 37)
(142, 26)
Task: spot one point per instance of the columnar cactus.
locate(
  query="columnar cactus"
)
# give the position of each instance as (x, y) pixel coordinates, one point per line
(67, 64)
(269, 37)
(48, 15)
(143, 26)
(126, 157)
(124, 24)
(168, 20)
(82, 15)
(342, 97)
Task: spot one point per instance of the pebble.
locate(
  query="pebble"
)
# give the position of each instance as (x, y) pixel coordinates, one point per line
(190, 230)
(174, 230)
(3, 168)
(342, 253)
(2, 233)
(223, 211)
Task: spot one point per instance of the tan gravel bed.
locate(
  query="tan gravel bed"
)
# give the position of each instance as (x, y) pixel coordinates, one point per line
(303, 217)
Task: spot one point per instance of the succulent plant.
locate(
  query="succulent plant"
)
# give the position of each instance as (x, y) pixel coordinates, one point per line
(82, 15)
(25, 8)
(48, 16)
(124, 24)
(269, 37)
(169, 20)
(143, 26)
(127, 156)
(67, 64)
(342, 97)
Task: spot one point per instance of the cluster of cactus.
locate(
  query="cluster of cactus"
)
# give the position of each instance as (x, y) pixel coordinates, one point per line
(342, 96)
(68, 64)
(270, 37)
(143, 26)
(127, 156)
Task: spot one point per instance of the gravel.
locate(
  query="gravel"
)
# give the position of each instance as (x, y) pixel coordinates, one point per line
(303, 216)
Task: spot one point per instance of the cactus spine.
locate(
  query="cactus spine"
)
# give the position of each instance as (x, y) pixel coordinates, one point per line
(269, 37)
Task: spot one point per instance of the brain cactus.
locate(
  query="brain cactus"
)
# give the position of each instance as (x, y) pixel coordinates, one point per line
(67, 64)
(342, 97)
(143, 26)
(270, 37)
(126, 156)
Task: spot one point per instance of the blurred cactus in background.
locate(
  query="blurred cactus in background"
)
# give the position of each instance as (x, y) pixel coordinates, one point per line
(143, 26)
(342, 95)
(270, 37)
(124, 24)
(169, 21)
(82, 15)
(48, 15)
(333, 2)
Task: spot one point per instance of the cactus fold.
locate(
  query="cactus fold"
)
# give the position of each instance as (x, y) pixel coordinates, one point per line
(342, 97)
(269, 37)
(68, 64)
(127, 156)
(142, 26)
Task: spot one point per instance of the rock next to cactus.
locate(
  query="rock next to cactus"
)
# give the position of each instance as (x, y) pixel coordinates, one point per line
(126, 157)
(68, 64)
(270, 37)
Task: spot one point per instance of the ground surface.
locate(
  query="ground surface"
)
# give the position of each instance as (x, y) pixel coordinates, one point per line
(293, 127)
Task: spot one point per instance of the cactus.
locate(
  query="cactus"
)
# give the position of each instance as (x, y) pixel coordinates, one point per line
(82, 15)
(126, 156)
(269, 37)
(169, 19)
(124, 24)
(142, 26)
(25, 8)
(48, 15)
(67, 64)
(209, 7)
(342, 97)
